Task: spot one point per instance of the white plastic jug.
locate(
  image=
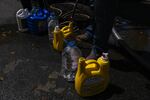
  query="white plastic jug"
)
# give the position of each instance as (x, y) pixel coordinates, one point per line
(21, 17)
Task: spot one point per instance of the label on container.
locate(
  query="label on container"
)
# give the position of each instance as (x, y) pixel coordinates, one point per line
(93, 85)
(93, 80)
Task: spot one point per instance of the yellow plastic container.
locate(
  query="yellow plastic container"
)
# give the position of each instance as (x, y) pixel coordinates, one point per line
(60, 35)
(92, 76)
(58, 41)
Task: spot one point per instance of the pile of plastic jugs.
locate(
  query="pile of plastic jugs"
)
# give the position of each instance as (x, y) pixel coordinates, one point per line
(34, 21)
(92, 76)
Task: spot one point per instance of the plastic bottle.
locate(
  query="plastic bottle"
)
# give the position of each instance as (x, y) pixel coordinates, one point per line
(52, 23)
(21, 17)
(70, 57)
(92, 76)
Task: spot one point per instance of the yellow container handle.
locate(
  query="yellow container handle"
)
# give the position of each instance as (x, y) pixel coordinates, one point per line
(67, 30)
(96, 69)
(96, 72)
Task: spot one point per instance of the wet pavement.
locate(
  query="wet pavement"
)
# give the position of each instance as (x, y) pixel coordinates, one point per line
(30, 70)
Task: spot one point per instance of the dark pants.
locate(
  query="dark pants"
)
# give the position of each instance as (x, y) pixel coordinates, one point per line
(107, 10)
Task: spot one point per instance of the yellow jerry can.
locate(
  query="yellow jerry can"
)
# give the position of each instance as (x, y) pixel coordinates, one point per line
(58, 41)
(92, 76)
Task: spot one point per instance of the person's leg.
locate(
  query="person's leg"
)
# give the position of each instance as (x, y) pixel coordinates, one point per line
(104, 18)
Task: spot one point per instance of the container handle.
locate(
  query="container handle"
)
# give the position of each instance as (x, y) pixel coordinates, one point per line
(97, 69)
(19, 12)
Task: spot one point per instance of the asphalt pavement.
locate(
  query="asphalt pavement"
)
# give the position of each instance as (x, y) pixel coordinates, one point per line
(30, 68)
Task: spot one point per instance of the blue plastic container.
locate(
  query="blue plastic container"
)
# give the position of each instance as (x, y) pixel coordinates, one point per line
(37, 21)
